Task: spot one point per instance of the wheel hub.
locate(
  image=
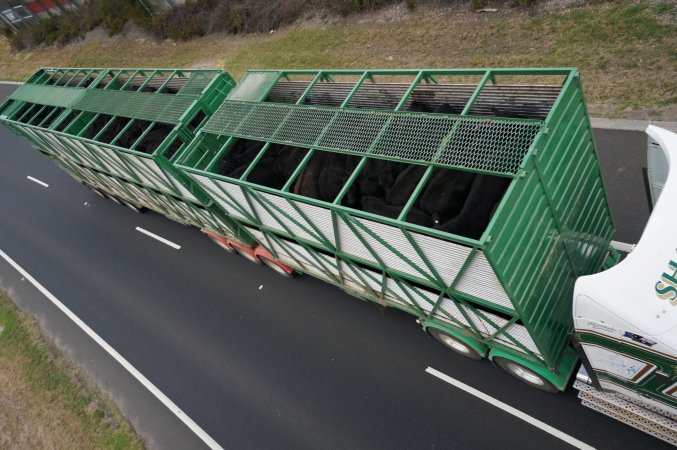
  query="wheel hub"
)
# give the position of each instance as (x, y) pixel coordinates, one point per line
(525, 374)
(454, 344)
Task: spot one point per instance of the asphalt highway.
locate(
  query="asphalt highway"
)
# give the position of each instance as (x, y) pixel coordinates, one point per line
(256, 360)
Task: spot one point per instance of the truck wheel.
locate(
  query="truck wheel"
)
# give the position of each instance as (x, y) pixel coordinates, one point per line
(454, 344)
(114, 198)
(276, 267)
(97, 192)
(525, 374)
(133, 207)
(249, 256)
(220, 243)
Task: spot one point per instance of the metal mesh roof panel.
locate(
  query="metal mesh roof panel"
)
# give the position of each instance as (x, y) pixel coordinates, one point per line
(136, 105)
(47, 95)
(197, 82)
(484, 144)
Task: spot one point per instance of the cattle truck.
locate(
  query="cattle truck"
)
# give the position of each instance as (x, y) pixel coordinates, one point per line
(117, 130)
(471, 199)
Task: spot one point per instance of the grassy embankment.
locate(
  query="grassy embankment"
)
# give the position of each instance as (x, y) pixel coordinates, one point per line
(627, 52)
(45, 401)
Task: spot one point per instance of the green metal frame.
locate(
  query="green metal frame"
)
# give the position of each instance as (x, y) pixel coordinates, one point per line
(552, 225)
(77, 98)
(247, 113)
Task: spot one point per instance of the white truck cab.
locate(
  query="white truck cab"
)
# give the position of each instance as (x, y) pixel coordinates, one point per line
(625, 317)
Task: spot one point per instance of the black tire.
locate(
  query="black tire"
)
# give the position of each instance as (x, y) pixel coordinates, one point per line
(97, 192)
(276, 268)
(248, 256)
(525, 375)
(112, 197)
(220, 243)
(454, 344)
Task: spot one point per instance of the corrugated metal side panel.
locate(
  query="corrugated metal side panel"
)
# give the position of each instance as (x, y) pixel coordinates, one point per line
(424, 298)
(137, 166)
(449, 307)
(142, 197)
(351, 244)
(397, 241)
(71, 150)
(290, 218)
(527, 247)
(258, 235)
(395, 293)
(240, 202)
(58, 147)
(371, 277)
(112, 161)
(521, 334)
(321, 218)
(214, 193)
(155, 168)
(31, 135)
(447, 258)
(218, 220)
(78, 152)
(480, 281)
(297, 256)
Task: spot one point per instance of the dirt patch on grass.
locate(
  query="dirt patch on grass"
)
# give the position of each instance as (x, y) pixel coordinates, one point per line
(626, 51)
(47, 402)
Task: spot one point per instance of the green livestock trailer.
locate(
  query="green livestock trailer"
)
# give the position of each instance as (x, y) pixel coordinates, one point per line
(117, 130)
(472, 199)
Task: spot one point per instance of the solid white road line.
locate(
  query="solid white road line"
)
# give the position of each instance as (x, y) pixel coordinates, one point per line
(509, 409)
(16, 83)
(622, 246)
(195, 428)
(42, 183)
(161, 239)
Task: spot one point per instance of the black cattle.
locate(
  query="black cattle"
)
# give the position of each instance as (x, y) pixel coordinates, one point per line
(276, 166)
(325, 175)
(332, 180)
(306, 183)
(132, 134)
(238, 157)
(485, 193)
(418, 217)
(113, 130)
(376, 178)
(445, 194)
(154, 138)
(378, 206)
(404, 185)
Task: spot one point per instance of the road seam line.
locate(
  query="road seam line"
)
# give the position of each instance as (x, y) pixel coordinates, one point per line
(37, 181)
(510, 410)
(159, 238)
(195, 428)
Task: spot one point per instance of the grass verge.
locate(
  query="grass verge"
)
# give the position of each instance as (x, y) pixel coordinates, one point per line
(627, 51)
(46, 402)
